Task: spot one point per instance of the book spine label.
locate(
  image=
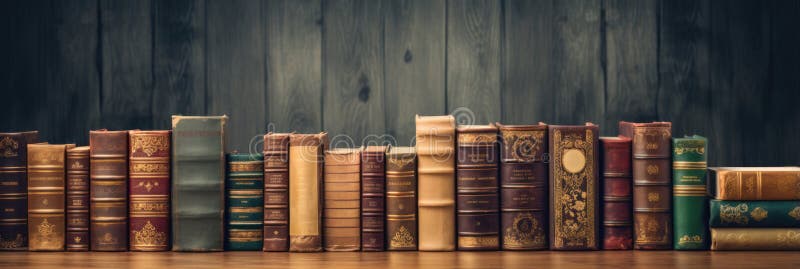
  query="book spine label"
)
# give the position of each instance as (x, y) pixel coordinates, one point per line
(46, 186)
(373, 201)
(754, 214)
(149, 167)
(305, 192)
(755, 239)
(574, 187)
(617, 195)
(109, 190)
(757, 185)
(435, 137)
(477, 200)
(14, 189)
(401, 202)
(689, 193)
(276, 192)
(245, 183)
(78, 199)
(342, 201)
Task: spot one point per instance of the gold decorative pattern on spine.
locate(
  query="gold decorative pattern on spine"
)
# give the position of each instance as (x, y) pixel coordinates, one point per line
(795, 213)
(149, 144)
(758, 214)
(148, 236)
(576, 230)
(733, 214)
(253, 166)
(525, 231)
(402, 238)
(523, 144)
(9, 148)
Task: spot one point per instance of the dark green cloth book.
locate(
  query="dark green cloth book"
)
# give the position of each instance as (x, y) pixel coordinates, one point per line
(198, 183)
(245, 214)
(775, 214)
(689, 193)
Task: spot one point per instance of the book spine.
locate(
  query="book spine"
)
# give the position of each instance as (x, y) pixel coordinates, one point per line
(477, 200)
(14, 189)
(690, 208)
(245, 183)
(617, 195)
(401, 202)
(78, 199)
(523, 188)
(373, 185)
(305, 192)
(757, 185)
(46, 196)
(755, 239)
(149, 167)
(436, 167)
(342, 222)
(108, 170)
(751, 214)
(276, 192)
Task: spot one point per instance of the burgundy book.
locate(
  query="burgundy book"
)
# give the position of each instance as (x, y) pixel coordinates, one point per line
(276, 192)
(14, 189)
(373, 199)
(108, 194)
(78, 199)
(149, 170)
(617, 230)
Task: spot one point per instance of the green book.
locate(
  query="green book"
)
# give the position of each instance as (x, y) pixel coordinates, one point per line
(776, 214)
(245, 214)
(198, 183)
(690, 213)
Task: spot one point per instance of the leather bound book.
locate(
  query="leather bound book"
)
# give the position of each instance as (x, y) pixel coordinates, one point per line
(342, 223)
(14, 189)
(435, 137)
(245, 185)
(477, 201)
(751, 214)
(198, 183)
(46, 196)
(755, 183)
(78, 199)
(574, 187)
(755, 239)
(373, 201)
(307, 153)
(401, 198)
(690, 204)
(523, 186)
(108, 172)
(617, 215)
(276, 192)
(652, 183)
(149, 168)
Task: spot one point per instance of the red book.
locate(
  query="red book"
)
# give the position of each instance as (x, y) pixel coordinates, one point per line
(149, 190)
(617, 197)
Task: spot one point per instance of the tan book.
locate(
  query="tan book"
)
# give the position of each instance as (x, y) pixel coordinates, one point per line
(46, 196)
(755, 183)
(436, 168)
(342, 227)
(306, 152)
(755, 238)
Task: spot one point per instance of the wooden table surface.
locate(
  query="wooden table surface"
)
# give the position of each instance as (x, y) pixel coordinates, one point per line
(404, 260)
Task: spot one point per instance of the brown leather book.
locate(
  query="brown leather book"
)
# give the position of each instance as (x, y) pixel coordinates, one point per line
(373, 199)
(342, 200)
(149, 171)
(46, 196)
(78, 199)
(477, 201)
(401, 198)
(755, 183)
(616, 172)
(276, 192)
(436, 167)
(307, 155)
(523, 186)
(14, 189)
(574, 184)
(108, 172)
(652, 183)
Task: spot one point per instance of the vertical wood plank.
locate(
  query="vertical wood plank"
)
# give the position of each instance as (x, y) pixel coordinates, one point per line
(353, 69)
(415, 64)
(528, 93)
(782, 121)
(127, 74)
(294, 65)
(235, 69)
(631, 32)
(473, 60)
(179, 60)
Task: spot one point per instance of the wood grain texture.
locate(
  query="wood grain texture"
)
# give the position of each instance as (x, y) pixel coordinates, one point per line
(178, 60)
(235, 70)
(353, 104)
(782, 119)
(473, 61)
(294, 65)
(414, 64)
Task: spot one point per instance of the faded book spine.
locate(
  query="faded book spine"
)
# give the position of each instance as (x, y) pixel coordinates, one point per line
(690, 204)
(149, 168)
(373, 185)
(755, 239)
(617, 196)
(78, 199)
(245, 183)
(755, 183)
(306, 152)
(276, 192)
(46, 196)
(401, 199)
(342, 222)
(108, 170)
(477, 201)
(436, 167)
(14, 189)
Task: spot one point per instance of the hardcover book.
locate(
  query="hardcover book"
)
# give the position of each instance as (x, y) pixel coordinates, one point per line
(46, 196)
(755, 239)
(342, 223)
(373, 186)
(652, 183)
(755, 183)
(401, 198)
(14, 189)
(750, 214)
(149, 168)
(523, 186)
(276, 192)
(689, 193)
(574, 187)
(245, 212)
(435, 137)
(477, 201)
(307, 153)
(108, 172)
(617, 228)
(78, 199)
(198, 183)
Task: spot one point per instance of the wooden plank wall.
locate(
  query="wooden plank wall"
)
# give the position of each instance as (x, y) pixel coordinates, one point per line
(361, 69)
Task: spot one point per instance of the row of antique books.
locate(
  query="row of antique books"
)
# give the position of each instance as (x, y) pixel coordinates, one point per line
(474, 187)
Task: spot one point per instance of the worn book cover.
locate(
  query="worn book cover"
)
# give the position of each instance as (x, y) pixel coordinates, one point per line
(78, 199)
(690, 210)
(108, 173)
(435, 137)
(617, 229)
(754, 183)
(755, 238)
(373, 198)
(245, 215)
(14, 189)
(342, 222)
(401, 198)
(46, 196)
(149, 171)
(276, 192)
(306, 171)
(477, 200)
